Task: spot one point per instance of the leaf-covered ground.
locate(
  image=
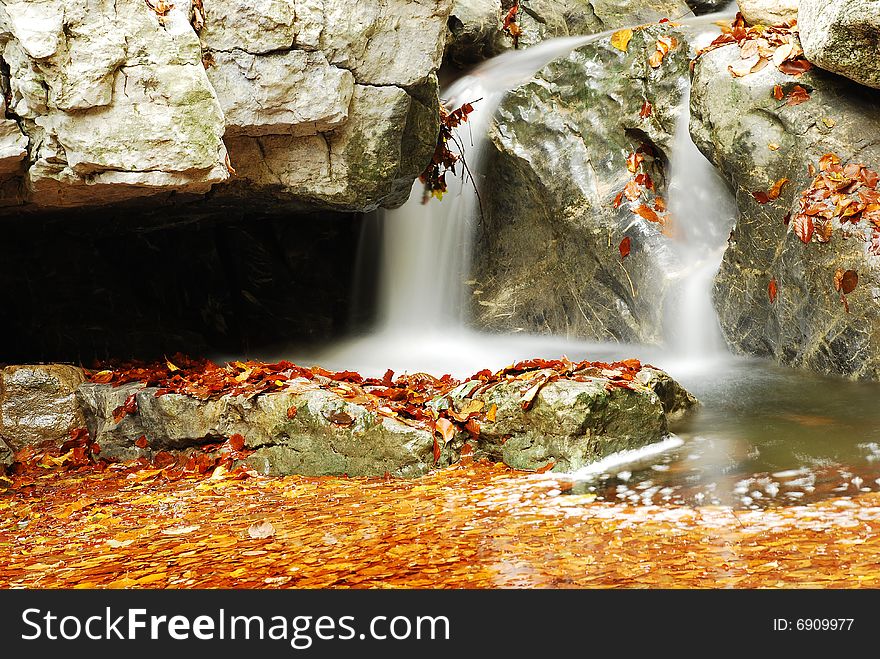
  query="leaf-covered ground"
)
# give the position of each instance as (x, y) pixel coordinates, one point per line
(475, 525)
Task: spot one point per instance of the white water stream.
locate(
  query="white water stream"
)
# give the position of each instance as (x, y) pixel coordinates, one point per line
(764, 435)
(426, 249)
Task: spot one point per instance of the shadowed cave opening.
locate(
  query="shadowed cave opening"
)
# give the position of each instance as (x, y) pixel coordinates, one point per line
(141, 283)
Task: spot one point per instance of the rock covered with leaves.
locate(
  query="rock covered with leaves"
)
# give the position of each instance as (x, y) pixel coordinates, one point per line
(800, 280)
(576, 227)
(320, 104)
(284, 419)
(843, 36)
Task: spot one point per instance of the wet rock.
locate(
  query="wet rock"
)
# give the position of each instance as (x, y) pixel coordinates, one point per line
(38, 404)
(700, 7)
(6, 455)
(755, 140)
(768, 12)
(325, 435)
(843, 36)
(13, 143)
(677, 401)
(475, 25)
(113, 98)
(549, 259)
(569, 423)
(306, 429)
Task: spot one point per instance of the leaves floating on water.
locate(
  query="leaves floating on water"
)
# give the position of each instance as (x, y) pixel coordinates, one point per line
(261, 530)
(481, 526)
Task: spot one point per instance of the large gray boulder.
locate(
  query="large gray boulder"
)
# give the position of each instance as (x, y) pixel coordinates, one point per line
(843, 36)
(38, 404)
(549, 259)
(326, 105)
(756, 140)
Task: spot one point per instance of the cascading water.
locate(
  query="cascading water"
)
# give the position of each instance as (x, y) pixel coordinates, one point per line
(426, 248)
(763, 436)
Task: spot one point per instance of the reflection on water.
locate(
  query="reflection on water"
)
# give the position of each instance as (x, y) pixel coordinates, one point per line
(764, 436)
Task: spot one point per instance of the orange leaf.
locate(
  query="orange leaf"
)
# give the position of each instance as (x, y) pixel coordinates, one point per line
(778, 94)
(291, 412)
(772, 290)
(236, 442)
(646, 110)
(492, 413)
(624, 247)
(647, 213)
(141, 442)
(797, 96)
(777, 188)
(445, 428)
(803, 227)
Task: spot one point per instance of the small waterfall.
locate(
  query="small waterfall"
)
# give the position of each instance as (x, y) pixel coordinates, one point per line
(426, 248)
(703, 210)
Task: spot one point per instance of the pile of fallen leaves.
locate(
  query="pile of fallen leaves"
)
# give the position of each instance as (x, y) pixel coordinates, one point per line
(444, 159)
(405, 398)
(845, 196)
(217, 459)
(761, 45)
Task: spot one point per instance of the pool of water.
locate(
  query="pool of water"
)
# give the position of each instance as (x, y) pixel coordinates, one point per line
(763, 436)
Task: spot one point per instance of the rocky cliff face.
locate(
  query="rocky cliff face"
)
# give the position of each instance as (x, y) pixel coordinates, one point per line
(310, 103)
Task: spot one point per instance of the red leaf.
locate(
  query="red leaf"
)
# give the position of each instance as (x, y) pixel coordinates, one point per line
(797, 96)
(778, 94)
(795, 67)
(618, 199)
(473, 427)
(236, 442)
(761, 197)
(436, 451)
(141, 442)
(772, 290)
(646, 110)
(849, 281)
(803, 227)
(624, 247)
(291, 412)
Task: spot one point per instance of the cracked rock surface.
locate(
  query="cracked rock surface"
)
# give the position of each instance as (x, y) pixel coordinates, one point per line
(321, 103)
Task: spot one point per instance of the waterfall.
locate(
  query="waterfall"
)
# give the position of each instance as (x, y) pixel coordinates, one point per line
(703, 210)
(426, 248)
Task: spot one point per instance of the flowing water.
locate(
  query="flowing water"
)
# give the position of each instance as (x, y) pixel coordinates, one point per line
(764, 435)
